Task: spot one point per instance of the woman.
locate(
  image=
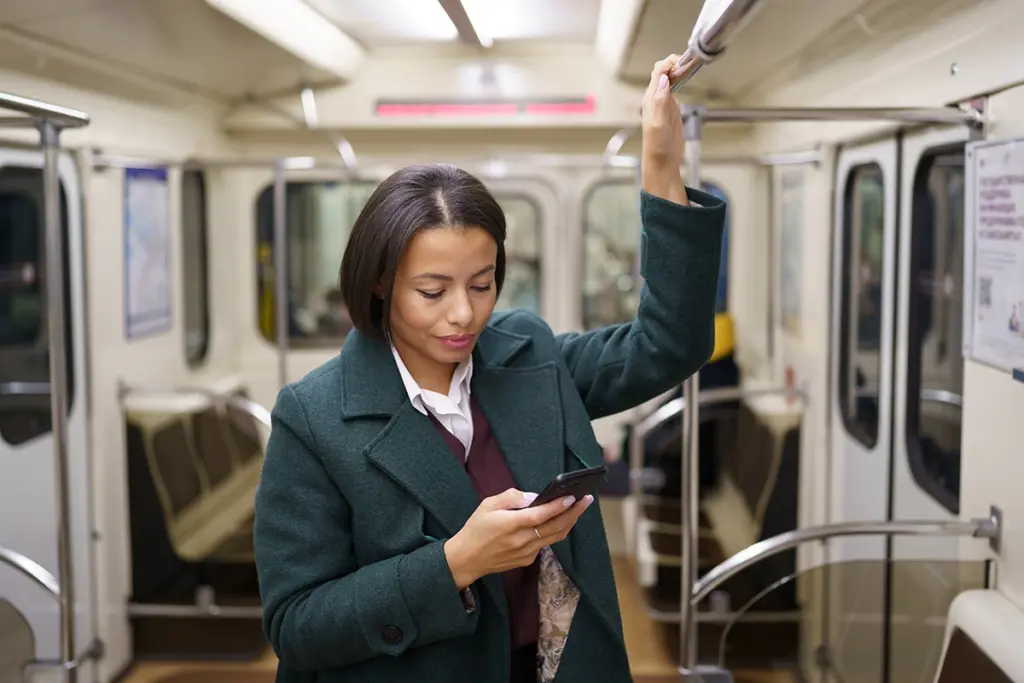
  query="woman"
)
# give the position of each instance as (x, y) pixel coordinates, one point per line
(393, 538)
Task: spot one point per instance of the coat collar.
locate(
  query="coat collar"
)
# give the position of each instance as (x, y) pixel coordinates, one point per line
(522, 404)
(372, 385)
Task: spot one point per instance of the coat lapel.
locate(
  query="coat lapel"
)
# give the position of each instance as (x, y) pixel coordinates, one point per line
(523, 407)
(411, 451)
(520, 401)
(408, 448)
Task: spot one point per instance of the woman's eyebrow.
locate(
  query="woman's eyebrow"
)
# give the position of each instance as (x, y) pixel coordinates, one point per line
(449, 278)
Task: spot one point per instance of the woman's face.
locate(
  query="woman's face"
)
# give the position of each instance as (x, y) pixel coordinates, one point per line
(443, 295)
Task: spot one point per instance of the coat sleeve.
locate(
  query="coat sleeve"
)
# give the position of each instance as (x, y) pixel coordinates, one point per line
(620, 366)
(320, 609)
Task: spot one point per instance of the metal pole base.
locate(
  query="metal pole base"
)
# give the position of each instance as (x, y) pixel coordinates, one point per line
(703, 673)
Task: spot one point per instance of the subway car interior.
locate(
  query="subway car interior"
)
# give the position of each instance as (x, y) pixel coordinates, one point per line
(820, 503)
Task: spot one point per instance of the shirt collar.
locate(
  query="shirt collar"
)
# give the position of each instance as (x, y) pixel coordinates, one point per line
(459, 389)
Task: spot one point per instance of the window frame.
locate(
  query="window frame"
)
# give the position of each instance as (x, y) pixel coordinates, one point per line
(847, 411)
(948, 499)
(199, 357)
(69, 332)
(266, 193)
(722, 285)
(538, 210)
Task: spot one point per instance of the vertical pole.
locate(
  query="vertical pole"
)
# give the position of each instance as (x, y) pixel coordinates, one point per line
(49, 135)
(280, 273)
(690, 470)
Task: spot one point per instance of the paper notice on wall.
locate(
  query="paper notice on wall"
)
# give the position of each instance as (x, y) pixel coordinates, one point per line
(147, 252)
(995, 259)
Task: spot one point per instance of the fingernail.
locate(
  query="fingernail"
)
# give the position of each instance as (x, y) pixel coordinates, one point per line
(529, 498)
(568, 501)
(663, 81)
(589, 499)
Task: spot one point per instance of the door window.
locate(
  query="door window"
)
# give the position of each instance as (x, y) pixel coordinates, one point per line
(24, 344)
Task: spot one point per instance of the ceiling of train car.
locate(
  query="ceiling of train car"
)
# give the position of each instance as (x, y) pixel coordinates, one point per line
(377, 22)
(788, 37)
(776, 33)
(185, 45)
(191, 46)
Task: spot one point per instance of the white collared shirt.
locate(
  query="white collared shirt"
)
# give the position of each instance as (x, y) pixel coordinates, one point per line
(452, 410)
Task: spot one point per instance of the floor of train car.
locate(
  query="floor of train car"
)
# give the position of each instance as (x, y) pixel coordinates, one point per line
(649, 654)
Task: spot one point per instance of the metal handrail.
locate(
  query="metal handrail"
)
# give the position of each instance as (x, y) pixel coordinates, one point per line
(31, 569)
(711, 397)
(246, 405)
(709, 38)
(38, 575)
(65, 117)
(986, 527)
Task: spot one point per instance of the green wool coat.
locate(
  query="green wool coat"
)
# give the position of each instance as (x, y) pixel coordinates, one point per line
(359, 491)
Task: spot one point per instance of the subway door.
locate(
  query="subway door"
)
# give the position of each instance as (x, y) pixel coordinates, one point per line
(29, 519)
(534, 280)
(864, 260)
(927, 573)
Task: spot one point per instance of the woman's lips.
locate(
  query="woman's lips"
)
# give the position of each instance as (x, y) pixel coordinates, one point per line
(458, 341)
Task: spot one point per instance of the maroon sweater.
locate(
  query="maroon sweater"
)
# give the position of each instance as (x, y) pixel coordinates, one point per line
(490, 475)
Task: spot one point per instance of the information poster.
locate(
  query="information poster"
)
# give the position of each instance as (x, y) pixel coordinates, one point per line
(995, 257)
(147, 252)
(791, 248)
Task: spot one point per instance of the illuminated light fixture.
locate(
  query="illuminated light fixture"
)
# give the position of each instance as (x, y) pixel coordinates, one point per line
(298, 28)
(299, 163)
(411, 109)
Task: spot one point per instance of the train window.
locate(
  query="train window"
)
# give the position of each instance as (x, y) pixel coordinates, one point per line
(522, 252)
(24, 350)
(320, 216)
(860, 337)
(935, 365)
(195, 265)
(611, 263)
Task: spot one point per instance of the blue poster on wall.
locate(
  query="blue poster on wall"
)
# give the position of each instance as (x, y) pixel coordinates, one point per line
(147, 252)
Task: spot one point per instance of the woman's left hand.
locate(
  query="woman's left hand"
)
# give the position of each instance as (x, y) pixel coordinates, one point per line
(662, 136)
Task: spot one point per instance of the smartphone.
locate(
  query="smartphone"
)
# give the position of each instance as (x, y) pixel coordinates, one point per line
(577, 483)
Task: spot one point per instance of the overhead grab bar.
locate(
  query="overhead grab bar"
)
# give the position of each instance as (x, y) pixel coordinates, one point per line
(64, 117)
(987, 527)
(717, 23)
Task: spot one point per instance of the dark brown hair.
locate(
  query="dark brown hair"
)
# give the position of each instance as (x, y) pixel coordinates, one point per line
(412, 199)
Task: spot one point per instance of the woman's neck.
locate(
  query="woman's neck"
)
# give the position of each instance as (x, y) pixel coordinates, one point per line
(428, 373)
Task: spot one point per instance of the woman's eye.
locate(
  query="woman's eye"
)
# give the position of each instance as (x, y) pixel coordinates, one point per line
(431, 295)
(481, 288)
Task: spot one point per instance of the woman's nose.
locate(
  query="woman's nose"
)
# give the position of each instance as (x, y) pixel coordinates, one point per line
(461, 312)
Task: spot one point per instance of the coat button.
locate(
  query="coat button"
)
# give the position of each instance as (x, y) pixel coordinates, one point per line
(392, 635)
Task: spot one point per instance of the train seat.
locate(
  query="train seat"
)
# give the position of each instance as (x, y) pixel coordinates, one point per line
(204, 480)
(983, 638)
(17, 645)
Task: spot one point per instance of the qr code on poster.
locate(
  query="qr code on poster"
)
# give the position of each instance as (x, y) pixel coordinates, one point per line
(985, 292)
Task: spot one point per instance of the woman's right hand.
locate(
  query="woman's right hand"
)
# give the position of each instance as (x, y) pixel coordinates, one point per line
(500, 535)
